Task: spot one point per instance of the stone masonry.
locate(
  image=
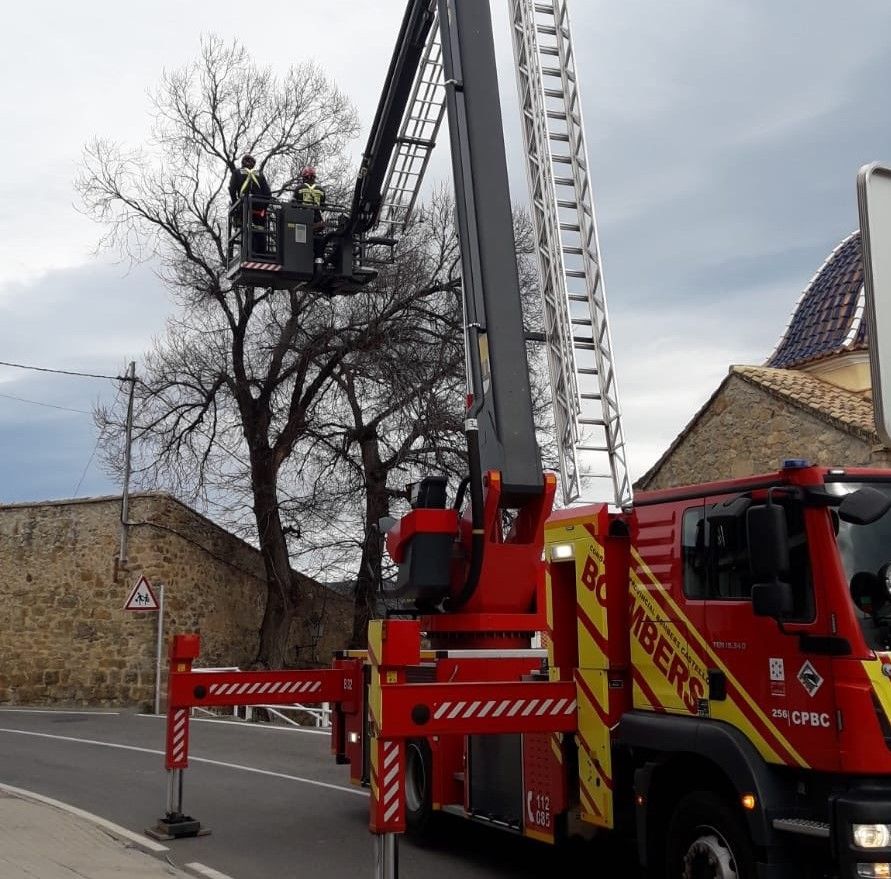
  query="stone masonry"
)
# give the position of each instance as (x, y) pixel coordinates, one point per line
(64, 636)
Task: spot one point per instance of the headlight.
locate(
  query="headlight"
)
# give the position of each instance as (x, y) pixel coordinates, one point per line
(560, 552)
(874, 871)
(872, 835)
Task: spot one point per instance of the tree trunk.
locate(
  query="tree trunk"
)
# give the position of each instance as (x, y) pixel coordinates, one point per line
(281, 590)
(368, 578)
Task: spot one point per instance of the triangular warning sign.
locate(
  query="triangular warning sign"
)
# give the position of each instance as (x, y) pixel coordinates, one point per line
(141, 597)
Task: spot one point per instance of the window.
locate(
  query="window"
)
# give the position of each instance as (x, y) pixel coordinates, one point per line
(715, 557)
(693, 553)
(729, 572)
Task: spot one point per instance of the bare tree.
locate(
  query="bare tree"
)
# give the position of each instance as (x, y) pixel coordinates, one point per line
(229, 391)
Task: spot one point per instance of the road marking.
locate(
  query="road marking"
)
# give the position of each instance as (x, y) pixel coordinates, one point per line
(255, 770)
(115, 829)
(207, 871)
(57, 711)
(248, 725)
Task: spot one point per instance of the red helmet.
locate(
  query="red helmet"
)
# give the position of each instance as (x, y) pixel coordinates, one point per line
(308, 171)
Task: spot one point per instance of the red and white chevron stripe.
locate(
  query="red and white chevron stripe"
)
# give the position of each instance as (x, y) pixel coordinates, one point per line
(265, 266)
(391, 781)
(180, 730)
(506, 708)
(281, 687)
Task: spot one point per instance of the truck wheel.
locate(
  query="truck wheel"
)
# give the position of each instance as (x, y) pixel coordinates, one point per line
(708, 840)
(418, 787)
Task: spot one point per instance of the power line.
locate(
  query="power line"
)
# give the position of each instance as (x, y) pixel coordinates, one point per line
(114, 378)
(82, 475)
(47, 405)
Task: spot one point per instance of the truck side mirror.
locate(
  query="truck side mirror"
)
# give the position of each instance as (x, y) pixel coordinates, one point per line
(768, 539)
(864, 506)
(772, 599)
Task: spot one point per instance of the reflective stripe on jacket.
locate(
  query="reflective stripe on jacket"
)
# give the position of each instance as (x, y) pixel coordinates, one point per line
(310, 194)
(251, 181)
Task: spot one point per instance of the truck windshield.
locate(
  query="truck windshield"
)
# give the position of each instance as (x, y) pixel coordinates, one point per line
(866, 556)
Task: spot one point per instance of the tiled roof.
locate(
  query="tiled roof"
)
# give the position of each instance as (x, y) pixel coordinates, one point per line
(847, 410)
(829, 316)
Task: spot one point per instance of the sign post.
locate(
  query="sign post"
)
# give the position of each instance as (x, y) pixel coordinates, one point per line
(158, 649)
(874, 201)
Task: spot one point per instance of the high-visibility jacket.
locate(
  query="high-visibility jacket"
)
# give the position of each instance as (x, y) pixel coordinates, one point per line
(248, 181)
(310, 195)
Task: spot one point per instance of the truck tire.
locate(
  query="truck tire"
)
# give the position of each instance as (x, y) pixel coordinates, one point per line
(418, 787)
(707, 839)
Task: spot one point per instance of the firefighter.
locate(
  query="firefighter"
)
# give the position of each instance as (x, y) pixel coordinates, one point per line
(249, 181)
(310, 195)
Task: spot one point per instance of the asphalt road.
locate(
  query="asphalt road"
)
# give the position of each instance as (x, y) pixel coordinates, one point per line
(275, 802)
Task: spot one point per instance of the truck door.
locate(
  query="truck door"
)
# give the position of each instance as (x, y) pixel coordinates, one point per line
(760, 680)
(665, 617)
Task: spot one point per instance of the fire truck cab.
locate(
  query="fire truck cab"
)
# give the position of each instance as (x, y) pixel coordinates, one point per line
(755, 688)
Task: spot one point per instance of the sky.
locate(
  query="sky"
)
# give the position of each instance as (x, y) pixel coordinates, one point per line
(724, 140)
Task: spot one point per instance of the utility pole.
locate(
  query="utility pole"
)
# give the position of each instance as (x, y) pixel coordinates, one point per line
(125, 492)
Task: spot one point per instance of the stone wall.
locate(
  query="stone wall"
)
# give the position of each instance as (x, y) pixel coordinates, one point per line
(745, 430)
(64, 636)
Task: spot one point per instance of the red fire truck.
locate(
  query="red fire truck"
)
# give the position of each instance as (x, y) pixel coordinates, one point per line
(715, 680)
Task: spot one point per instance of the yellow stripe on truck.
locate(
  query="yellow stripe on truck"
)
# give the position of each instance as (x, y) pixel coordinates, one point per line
(740, 715)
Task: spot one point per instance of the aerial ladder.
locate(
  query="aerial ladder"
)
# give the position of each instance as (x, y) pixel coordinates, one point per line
(470, 576)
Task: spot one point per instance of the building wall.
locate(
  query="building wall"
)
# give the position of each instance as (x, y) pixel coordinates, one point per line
(746, 430)
(849, 371)
(64, 636)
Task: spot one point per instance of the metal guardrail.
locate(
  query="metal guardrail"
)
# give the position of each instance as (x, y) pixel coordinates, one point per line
(321, 715)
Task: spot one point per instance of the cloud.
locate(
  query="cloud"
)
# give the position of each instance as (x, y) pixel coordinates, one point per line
(91, 319)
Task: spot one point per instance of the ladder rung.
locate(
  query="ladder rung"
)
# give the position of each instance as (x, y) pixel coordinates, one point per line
(554, 93)
(570, 227)
(592, 448)
(564, 203)
(559, 157)
(590, 397)
(558, 136)
(586, 370)
(592, 422)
